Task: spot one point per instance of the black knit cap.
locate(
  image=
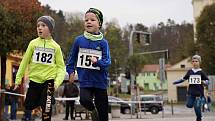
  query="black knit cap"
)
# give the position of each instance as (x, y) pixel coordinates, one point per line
(98, 14)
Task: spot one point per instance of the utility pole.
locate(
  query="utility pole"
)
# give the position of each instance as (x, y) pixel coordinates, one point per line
(161, 69)
(131, 52)
(162, 74)
(156, 51)
(162, 77)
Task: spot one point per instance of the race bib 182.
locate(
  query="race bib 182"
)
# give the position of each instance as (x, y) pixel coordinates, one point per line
(43, 55)
(195, 79)
(84, 58)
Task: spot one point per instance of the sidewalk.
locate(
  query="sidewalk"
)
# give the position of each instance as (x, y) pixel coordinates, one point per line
(148, 117)
(181, 113)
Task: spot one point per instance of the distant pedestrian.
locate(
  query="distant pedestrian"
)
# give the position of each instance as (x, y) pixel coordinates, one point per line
(70, 91)
(197, 80)
(7, 102)
(209, 102)
(14, 103)
(90, 55)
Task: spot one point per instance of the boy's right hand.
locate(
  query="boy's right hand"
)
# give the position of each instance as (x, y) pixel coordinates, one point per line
(72, 77)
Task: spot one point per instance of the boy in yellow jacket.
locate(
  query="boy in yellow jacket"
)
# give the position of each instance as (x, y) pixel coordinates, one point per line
(46, 69)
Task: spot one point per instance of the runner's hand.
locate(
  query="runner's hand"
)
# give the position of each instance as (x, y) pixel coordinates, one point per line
(94, 59)
(72, 77)
(206, 82)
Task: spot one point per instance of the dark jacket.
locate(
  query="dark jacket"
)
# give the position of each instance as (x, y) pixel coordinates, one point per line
(196, 89)
(14, 98)
(70, 90)
(89, 77)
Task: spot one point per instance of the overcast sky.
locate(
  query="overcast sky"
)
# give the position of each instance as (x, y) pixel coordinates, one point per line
(147, 12)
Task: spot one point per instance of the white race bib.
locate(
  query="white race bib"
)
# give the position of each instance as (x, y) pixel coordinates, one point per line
(43, 55)
(195, 79)
(84, 58)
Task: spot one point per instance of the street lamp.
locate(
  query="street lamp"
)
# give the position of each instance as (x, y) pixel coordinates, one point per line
(147, 40)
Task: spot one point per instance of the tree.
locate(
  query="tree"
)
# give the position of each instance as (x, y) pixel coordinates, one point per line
(24, 13)
(60, 33)
(18, 23)
(75, 27)
(205, 38)
(117, 48)
(185, 43)
(136, 63)
(177, 38)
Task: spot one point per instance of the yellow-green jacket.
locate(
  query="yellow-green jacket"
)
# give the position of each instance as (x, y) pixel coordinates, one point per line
(44, 60)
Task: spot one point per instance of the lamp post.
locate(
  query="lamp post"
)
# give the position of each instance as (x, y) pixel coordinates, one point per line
(162, 68)
(131, 52)
(147, 42)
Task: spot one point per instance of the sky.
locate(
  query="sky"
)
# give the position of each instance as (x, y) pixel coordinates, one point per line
(146, 12)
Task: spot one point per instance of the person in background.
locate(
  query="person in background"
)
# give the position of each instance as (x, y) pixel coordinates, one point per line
(90, 55)
(197, 80)
(70, 91)
(7, 102)
(14, 103)
(209, 102)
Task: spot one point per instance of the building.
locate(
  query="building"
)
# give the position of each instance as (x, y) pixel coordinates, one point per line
(149, 78)
(12, 65)
(177, 93)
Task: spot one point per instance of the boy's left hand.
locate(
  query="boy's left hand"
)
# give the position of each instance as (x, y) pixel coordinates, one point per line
(206, 82)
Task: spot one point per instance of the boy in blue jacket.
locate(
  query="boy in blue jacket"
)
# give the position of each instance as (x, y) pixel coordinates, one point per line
(197, 79)
(90, 55)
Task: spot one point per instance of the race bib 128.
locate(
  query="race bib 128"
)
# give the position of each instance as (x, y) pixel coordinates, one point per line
(84, 58)
(43, 55)
(195, 79)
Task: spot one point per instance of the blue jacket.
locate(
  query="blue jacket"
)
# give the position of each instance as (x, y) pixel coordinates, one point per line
(89, 77)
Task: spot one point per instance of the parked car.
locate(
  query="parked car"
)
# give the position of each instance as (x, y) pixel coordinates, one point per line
(125, 107)
(151, 103)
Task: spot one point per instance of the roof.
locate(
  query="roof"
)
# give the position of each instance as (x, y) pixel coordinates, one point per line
(153, 67)
(184, 64)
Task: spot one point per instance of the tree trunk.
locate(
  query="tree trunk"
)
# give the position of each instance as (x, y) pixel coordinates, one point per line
(3, 72)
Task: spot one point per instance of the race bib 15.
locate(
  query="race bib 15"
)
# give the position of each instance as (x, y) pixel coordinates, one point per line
(84, 58)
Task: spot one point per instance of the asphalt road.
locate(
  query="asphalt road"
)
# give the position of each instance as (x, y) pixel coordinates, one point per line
(180, 113)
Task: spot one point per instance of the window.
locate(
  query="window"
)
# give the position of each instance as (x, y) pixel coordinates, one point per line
(146, 86)
(147, 98)
(158, 98)
(182, 66)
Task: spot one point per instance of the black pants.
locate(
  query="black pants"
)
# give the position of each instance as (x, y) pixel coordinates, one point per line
(40, 95)
(69, 106)
(100, 101)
